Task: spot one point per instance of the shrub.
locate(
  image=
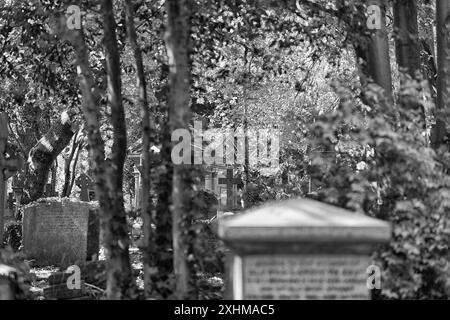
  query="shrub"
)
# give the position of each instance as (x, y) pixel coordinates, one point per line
(12, 235)
(383, 165)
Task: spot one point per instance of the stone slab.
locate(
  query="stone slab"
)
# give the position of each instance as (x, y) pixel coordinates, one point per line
(56, 232)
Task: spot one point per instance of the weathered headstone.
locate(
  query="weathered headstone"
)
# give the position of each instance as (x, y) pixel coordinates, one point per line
(229, 181)
(49, 192)
(300, 249)
(60, 232)
(84, 182)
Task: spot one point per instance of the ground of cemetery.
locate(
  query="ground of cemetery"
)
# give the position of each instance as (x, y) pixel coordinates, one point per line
(95, 281)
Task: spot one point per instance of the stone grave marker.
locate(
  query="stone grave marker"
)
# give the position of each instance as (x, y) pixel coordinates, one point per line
(49, 192)
(86, 185)
(229, 181)
(60, 232)
(300, 249)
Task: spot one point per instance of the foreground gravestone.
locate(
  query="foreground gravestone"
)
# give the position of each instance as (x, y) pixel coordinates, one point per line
(60, 232)
(300, 249)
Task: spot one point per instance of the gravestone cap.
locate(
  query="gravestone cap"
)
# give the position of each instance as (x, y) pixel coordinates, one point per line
(303, 220)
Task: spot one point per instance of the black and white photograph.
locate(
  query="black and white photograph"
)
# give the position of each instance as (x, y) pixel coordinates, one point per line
(224, 155)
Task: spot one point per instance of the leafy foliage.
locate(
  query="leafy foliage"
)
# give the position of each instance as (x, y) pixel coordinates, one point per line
(386, 168)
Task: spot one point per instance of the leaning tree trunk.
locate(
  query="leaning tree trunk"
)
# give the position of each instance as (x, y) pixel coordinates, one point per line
(108, 174)
(146, 208)
(407, 46)
(44, 153)
(439, 131)
(177, 44)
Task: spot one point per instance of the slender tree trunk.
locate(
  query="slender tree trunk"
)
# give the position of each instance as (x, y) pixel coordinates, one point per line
(80, 146)
(120, 279)
(67, 174)
(54, 173)
(163, 255)
(428, 56)
(177, 44)
(3, 144)
(407, 46)
(378, 64)
(371, 45)
(107, 173)
(439, 131)
(146, 207)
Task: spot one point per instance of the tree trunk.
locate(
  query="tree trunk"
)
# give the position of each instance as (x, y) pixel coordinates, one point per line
(54, 177)
(378, 64)
(79, 146)
(107, 173)
(177, 45)
(371, 45)
(120, 279)
(163, 255)
(439, 131)
(3, 144)
(141, 84)
(44, 153)
(407, 46)
(428, 56)
(67, 161)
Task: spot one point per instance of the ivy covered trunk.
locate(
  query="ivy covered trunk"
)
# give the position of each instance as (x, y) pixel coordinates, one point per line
(108, 173)
(113, 218)
(407, 46)
(146, 208)
(177, 44)
(162, 249)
